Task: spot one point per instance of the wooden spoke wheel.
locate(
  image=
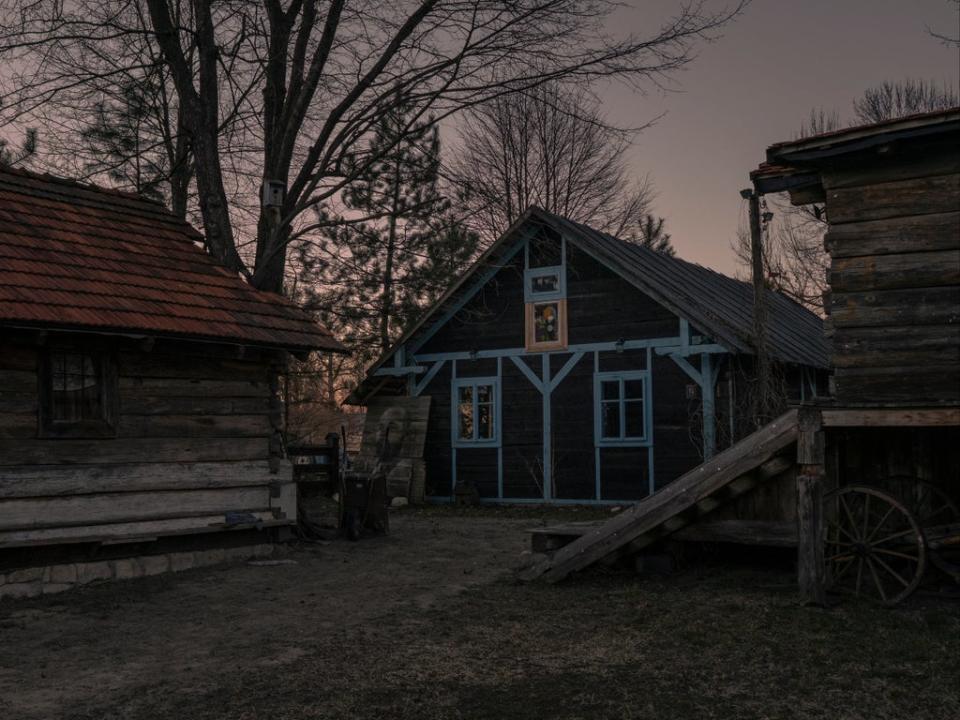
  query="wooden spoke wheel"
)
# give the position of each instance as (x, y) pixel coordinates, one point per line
(927, 503)
(875, 548)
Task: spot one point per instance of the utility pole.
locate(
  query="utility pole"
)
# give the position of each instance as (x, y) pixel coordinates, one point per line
(761, 409)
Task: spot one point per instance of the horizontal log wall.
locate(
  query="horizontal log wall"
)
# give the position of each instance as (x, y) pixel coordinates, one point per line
(894, 303)
(192, 443)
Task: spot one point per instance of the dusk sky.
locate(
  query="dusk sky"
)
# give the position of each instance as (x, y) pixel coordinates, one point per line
(755, 86)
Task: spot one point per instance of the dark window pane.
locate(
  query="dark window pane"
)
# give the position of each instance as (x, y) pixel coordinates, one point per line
(545, 283)
(633, 419)
(610, 389)
(466, 422)
(546, 320)
(484, 393)
(633, 389)
(75, 388)
(610, 419)
(484, 422)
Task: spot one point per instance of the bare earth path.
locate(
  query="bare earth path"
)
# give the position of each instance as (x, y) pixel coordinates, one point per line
(428, 624)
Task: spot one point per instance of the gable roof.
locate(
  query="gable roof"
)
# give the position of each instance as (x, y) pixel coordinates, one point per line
(79, 257)
(716, 304)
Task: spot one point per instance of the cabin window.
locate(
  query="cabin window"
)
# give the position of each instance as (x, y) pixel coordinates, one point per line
(621, 408)
(545, 295)
(77, 394)
(476, 411)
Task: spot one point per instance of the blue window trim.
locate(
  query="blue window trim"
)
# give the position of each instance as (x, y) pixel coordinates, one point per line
(647, 439)
(473, 382)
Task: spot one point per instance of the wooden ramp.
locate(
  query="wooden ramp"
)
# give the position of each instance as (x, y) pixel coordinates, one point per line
(753, 460)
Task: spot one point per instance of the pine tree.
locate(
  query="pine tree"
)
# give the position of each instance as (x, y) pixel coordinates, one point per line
(395, 249)
(652, 235)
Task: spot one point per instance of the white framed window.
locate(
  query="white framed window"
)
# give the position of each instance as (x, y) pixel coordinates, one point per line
(476, 411)
(548, 283)
(622, 408)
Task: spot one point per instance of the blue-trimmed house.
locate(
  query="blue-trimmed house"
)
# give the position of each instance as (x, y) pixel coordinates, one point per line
(568, 366)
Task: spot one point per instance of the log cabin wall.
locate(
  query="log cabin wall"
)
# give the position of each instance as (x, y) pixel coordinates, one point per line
(894, 244)
(194, 432)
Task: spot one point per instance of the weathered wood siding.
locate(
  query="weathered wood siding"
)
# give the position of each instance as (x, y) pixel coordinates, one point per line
(192, 442)
(894, 242)
(602, 308)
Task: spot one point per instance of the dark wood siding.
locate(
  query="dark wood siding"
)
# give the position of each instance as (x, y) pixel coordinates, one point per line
(894, 242)
(192, 440)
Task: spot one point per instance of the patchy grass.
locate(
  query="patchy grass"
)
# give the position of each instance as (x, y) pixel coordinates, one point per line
(712, 642)
(428, 624)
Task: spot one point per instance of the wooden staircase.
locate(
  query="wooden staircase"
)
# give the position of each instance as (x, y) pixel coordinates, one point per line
(755, 459)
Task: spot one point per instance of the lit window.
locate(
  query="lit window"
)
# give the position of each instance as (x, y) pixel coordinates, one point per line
(476, 411)
(621, 408)
(547, 325)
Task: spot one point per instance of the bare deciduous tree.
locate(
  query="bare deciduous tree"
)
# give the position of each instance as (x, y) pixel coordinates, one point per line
(303, 82)
(551, 148)
(891, 100)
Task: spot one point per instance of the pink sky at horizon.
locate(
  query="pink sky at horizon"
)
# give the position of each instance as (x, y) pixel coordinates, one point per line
(754, 86)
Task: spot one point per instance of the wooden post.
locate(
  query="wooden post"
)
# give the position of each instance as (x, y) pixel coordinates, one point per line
(762, 396)
(811, 474)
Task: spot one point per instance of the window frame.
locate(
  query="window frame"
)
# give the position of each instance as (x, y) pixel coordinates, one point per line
(530, 343)
(104, 426)
(474, 382)
(622, 441)
(530, 274)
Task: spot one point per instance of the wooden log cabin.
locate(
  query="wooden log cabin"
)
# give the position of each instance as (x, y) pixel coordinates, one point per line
(891, 196)
(567, 366)
(138, 401)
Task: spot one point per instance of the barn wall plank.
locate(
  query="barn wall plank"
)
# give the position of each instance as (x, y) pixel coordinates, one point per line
(893, 272)
(919, 234)
(919, 196)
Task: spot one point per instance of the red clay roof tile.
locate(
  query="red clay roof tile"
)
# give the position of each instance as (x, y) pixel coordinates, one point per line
(80, 257)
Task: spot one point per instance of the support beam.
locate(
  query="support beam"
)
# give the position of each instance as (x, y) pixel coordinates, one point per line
(530, 374)
(419, 387)
(708, 398)
(547, 450)
(810, 481)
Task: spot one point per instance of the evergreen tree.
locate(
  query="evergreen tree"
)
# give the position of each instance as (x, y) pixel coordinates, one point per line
(651, 234)
(395, 249)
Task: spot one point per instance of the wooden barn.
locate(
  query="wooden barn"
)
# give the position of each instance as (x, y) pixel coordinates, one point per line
(873, 467)
(568, 366)
(138, 396)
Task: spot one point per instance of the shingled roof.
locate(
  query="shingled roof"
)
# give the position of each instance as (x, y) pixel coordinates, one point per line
(718, 305)
(74, 256)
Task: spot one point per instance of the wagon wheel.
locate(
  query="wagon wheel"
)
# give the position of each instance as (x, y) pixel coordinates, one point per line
(926, 502)
(874, 546)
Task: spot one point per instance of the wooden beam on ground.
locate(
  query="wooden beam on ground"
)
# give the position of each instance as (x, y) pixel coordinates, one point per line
(646, 518)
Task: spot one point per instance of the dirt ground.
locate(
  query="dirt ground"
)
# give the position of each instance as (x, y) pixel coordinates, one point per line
(429, 623)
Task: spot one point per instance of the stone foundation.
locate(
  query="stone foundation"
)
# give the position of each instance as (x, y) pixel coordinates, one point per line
(36, 581)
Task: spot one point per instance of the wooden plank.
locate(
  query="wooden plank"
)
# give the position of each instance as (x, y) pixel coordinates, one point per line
(902, 166)
(60, 480)
(18, 357)
(164, 365)
(184, 387)
(768, 533)
(28, 513)
(917, 345)
(21, 381)
(112, 532)
(134, 403)
(811, 573)
(891, 272)
(909, 385)
(919, 306)
(891, 417)
(142, 426)
(132, 450)
(677, 497)
(919, 196)
(917, 234)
